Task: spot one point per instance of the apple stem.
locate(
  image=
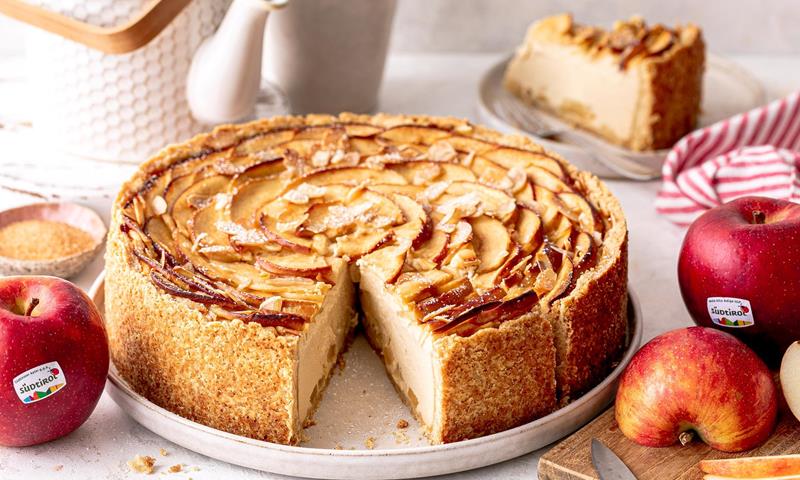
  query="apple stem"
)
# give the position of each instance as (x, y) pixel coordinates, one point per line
(31, 306)
(686, 437)
(759, 217)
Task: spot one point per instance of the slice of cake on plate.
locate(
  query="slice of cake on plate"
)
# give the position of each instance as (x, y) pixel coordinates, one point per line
(637, 85)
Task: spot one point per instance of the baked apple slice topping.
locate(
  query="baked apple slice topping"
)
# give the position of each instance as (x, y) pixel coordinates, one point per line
(465, 230)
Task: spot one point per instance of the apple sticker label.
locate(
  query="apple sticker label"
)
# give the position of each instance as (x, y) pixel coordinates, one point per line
(730, 312)
(40, 382)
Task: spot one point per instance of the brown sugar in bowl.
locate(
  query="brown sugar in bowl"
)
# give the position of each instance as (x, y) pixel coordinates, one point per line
(71, 214)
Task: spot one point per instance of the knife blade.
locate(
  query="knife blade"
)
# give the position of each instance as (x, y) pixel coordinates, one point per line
(608, 464)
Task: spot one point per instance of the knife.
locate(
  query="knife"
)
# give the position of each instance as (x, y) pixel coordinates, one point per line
(608, 464)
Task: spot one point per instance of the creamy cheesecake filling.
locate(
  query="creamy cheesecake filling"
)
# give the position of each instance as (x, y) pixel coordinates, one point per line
(321, 344)
(405, 345)
(592, 90)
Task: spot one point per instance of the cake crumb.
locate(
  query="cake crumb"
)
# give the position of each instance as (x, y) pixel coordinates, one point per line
(309, 423)
(402, 423)
(370, 443)
(142, 464)
(340, 364)
(163, 452)
(58, 468)
(338, 446)
(400, 437)
(176, 468)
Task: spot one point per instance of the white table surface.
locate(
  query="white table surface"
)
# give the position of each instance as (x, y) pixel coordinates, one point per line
(424, 84)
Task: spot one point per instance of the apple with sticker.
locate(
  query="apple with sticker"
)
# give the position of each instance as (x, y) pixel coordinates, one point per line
(53, 359)
(738, 272)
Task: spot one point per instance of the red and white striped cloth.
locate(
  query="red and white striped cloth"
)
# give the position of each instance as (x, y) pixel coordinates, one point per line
(753, 153)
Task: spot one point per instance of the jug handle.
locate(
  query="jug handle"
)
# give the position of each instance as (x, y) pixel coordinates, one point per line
(124, 38)
(225, 75)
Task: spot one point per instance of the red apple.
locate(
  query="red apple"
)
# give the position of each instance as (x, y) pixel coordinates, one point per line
(53, 359)
(697, 381)
(738, 272)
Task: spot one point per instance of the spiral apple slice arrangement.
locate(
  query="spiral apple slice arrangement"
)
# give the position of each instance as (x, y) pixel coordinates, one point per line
(468, 232)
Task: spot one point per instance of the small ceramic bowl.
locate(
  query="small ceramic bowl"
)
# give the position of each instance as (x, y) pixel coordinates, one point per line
(73, 214)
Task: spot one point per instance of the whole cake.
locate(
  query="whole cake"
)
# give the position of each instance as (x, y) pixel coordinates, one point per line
(636, 85)
(491, 274)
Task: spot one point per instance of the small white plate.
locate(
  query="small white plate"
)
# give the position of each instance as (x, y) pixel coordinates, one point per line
(727, 90)
(360, 403)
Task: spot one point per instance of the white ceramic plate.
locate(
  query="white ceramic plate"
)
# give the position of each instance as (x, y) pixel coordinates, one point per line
(727, 90)
(360, 403)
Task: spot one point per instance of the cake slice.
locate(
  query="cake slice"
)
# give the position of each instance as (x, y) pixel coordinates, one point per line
(638, 86)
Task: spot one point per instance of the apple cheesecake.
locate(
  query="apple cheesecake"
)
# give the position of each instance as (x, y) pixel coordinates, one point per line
(489, 273)
(637, 85)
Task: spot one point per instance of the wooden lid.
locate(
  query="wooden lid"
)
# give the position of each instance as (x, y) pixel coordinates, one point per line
(132, 35)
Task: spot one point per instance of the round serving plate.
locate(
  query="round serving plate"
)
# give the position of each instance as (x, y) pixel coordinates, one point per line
(360, 409)
(727, 90)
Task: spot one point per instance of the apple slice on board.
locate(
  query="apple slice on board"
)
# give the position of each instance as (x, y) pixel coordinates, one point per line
(790, 381)
(753, 467)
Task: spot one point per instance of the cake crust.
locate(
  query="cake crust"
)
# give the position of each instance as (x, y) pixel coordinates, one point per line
(239, 377)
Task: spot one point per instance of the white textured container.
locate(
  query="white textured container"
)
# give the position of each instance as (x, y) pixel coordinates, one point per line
(120, 108)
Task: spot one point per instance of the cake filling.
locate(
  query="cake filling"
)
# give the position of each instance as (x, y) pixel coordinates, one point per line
(405, 346)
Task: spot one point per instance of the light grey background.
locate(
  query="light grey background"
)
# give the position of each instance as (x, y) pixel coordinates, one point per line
(731, 26)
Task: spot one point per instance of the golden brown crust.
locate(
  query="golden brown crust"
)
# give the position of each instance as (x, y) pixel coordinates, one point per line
(240, 377)
(496, 379)
(676, 86)
(231, 376)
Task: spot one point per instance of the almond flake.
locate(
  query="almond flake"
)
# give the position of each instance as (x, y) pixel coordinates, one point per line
(222, 201)
(435, 190)
(274, 304)
(320, 158)
(348, 158)
(241, 235)
(462, 233)
(305, 192)
(296, 197)
(464, 128)
(441, 152)
(425, 175)
(518, 179)
(466, 205)
(216, 249)
(159, 205)
(266, 155)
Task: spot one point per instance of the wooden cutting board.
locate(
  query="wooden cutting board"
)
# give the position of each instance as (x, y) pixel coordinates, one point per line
(571, 459)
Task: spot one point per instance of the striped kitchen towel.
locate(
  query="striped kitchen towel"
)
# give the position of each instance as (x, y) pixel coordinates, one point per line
(753, 153)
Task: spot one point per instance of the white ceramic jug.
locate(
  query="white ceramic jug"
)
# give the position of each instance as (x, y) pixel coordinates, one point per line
(125, 107)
